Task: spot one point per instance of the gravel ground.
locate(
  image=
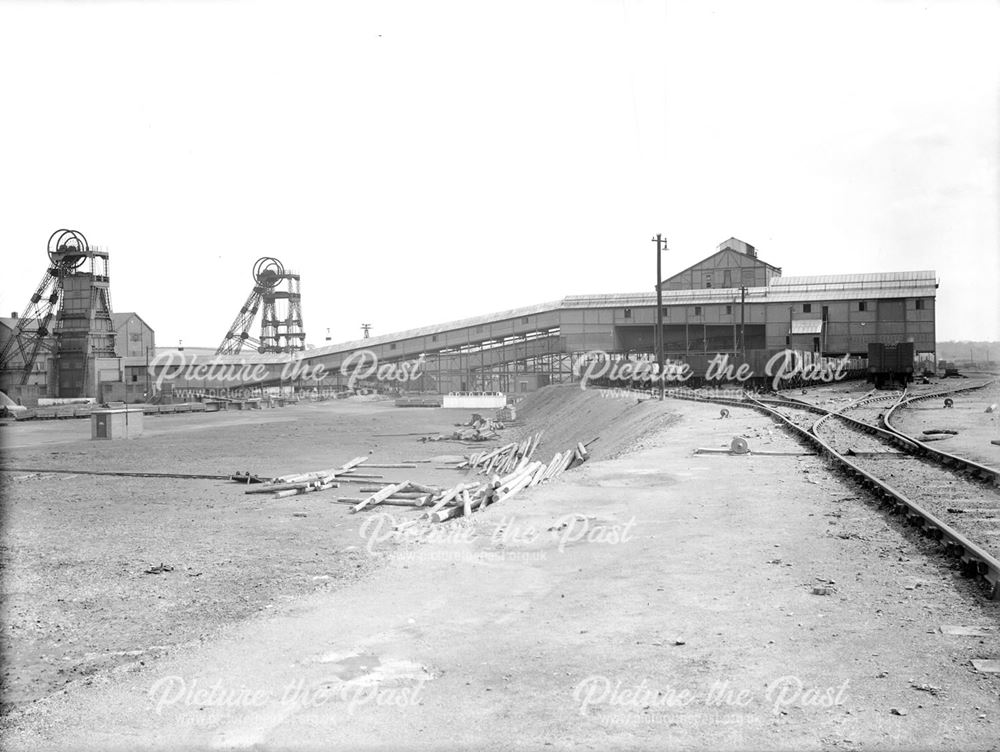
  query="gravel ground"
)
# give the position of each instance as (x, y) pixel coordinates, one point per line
(76, 600)
(976, 428)
(792, 610)
(75, 548)
(740, 575)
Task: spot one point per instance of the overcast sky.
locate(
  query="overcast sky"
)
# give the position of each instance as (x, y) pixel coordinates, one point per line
(422, 161)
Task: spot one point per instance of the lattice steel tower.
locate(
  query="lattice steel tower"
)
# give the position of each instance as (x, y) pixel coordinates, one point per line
(276, 294)
(69, 315)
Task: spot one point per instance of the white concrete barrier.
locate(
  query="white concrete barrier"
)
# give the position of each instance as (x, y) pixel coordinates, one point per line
(484, 400)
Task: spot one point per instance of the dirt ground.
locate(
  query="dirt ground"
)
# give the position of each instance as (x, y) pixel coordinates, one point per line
(74, 548)
(652, 598)
(976, 428)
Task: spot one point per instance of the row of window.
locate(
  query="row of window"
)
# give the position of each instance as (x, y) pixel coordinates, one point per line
(666, 311)
(806, 308)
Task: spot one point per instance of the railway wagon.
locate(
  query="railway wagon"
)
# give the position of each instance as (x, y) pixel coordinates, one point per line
(793, 368)
(890, 364)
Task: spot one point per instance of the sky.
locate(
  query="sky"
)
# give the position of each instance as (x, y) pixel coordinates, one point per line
(418, 162)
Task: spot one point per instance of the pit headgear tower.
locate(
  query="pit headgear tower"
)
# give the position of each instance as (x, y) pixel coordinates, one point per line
(69, 314)
(276, 294)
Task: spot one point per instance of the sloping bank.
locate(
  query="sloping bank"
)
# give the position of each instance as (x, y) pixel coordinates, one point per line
(569, 414)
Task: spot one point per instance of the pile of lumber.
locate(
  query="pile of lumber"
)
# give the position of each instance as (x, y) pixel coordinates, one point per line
(510, 470)
(484, 433)
(507, 414)
(506, 458)
(465, 498)
(525, 474)
(317, 480)
(481, 424)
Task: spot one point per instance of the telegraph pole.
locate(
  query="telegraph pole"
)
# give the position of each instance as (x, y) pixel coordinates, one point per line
(661, 245)
(743, 303)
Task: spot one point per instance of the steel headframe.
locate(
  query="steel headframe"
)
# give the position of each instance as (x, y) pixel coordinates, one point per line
(68, 250)
(268, 275)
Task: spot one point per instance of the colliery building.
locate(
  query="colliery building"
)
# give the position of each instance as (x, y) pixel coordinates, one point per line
(133, 338)
(730, 302)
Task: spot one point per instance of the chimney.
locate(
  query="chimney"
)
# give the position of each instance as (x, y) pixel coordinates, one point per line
(13, 314)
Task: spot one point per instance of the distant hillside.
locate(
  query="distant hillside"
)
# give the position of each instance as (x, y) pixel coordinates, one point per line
(965, 352)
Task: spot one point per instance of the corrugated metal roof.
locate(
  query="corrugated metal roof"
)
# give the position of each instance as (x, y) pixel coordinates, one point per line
(807, 326)
(773, 294)
(435, 329)
(670, 297)
(807, 295)
(875, 279)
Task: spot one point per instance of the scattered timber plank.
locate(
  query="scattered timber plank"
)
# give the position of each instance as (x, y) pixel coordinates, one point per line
(346, 467)
(412, 503)
(366, 481)
(273, 487)
(307, 489)
(448, 496)
(425, 489)
(381, 496)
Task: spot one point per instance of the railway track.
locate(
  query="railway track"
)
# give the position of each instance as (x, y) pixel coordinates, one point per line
(954, 500)
(947, 459)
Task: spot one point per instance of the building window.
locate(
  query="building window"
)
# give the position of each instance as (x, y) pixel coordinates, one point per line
(392, 346)
(666, 312)
(524, 320)
(697, 310)
(434, 338)
(135, 377)
(628, 313)
(807, 308)
(826, 312)
(727, 278)
(708, 279)
(862, 305)
(920, 305)
(729, 309)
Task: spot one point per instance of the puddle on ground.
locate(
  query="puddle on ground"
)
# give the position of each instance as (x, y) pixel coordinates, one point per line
(349, 666)
(369, 669)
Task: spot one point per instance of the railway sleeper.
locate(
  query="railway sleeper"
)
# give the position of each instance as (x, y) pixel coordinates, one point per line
(953, 548)
(969, 565)
(973, 567)
(933, 531)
